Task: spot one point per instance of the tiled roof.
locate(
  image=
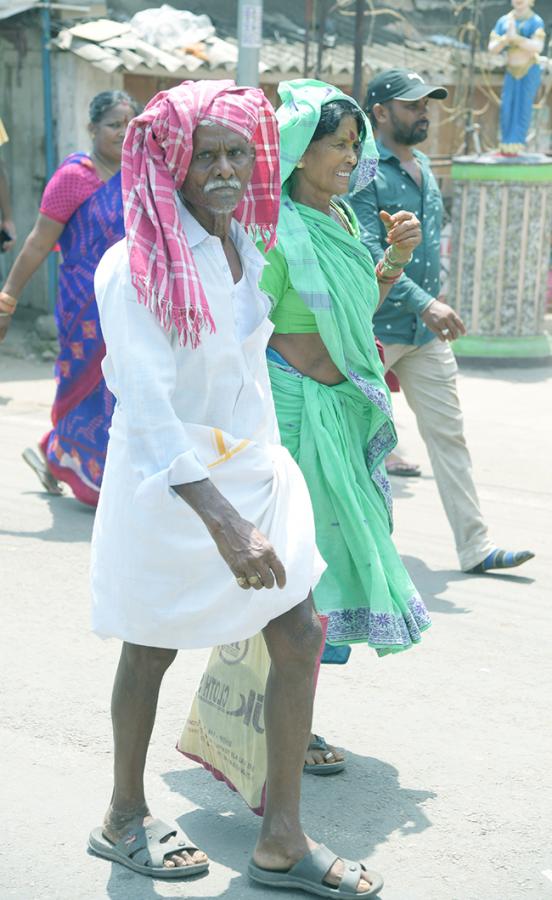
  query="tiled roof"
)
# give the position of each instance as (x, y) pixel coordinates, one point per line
(113, 46)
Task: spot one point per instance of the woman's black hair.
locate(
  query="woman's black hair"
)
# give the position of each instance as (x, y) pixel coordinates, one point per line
(332, 114)
(106, 100)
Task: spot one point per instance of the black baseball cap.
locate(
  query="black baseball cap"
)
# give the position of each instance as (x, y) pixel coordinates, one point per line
(401, 84)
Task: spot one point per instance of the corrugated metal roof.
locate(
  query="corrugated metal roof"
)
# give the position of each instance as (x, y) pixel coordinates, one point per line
(113, 46)
(426, 58)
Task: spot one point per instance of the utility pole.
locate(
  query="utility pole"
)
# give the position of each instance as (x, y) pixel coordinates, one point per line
(322, 13)
(250, 39)
(308, 28)
(360, 29)
(48, 131)
(471, 129)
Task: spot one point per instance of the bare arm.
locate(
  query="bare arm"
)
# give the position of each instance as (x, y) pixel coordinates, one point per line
(42, 238)
(404, 234)
(242, 546)
(366, 207)
(35, 250)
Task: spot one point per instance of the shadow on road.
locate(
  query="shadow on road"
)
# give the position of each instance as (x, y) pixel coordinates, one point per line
(402, 487)
(126, 885)
(72, 521)
(431, 583)
(352, 813)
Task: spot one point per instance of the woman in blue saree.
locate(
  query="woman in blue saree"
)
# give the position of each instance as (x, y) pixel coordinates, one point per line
(82, 211)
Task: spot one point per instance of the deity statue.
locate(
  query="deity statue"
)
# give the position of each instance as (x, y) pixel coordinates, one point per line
(521, 34)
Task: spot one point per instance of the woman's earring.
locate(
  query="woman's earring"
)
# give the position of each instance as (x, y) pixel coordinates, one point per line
(300, 165)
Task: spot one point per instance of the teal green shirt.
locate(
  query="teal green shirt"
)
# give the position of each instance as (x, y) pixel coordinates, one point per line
(398, 319)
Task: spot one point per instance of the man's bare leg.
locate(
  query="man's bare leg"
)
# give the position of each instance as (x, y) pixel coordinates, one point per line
(133, 708)
(293, 641)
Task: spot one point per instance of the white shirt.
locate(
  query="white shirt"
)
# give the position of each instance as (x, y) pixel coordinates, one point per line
(161, 386)
(184, 415)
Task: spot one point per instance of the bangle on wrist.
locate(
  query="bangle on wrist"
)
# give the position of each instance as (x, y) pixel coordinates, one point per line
(7, 309)
(386, 274)
(388, 270)
(393, 263)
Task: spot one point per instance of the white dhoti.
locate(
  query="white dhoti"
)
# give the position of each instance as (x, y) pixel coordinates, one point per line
(183, 415)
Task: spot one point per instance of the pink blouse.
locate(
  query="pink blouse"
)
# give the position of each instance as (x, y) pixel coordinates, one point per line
(68, 187)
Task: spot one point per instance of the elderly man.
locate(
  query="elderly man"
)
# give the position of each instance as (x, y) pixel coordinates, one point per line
(413, 324)
(204, 533)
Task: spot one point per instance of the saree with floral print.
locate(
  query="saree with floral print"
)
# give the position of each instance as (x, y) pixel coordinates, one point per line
(76, 445)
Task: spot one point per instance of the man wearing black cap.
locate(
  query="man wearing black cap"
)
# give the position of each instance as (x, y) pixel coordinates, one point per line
(413, 324)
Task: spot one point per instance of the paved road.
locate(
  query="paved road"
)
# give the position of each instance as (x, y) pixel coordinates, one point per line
(447, 789)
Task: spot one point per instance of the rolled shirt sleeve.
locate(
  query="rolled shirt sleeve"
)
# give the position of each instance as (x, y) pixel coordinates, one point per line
(140, 370)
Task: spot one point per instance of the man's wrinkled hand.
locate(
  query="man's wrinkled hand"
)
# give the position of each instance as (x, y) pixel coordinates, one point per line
(250, 556)
(442, 320)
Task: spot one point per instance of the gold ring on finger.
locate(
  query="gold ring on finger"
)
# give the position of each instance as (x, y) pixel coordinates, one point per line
(253, 580)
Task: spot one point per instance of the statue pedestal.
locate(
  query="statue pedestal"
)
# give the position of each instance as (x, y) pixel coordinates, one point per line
(501, 227)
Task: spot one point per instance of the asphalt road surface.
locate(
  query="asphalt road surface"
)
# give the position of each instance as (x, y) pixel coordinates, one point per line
(447, 790)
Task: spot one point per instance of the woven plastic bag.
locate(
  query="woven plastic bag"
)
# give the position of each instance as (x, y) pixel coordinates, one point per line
(225, 730)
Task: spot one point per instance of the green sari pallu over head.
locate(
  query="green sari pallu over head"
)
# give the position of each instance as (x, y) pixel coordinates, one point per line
(341, 435)
(331, 270)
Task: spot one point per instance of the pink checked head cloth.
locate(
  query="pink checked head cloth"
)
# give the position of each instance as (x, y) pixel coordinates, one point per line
(156, 155)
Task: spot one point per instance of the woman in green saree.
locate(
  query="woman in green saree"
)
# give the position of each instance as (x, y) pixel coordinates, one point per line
(332, 402)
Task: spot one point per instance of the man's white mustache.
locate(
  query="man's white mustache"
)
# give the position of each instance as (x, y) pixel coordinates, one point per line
(232, 183)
